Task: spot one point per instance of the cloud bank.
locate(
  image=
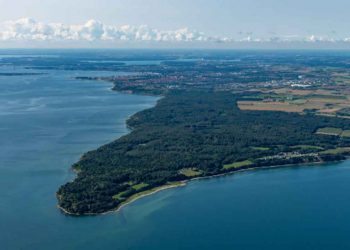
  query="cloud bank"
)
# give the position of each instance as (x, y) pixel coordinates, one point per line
(27, 29)
(30, 30)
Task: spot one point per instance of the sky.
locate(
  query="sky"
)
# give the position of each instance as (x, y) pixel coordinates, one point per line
(142, 23)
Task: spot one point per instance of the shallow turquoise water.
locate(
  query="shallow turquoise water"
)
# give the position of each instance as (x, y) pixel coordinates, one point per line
(48, 121)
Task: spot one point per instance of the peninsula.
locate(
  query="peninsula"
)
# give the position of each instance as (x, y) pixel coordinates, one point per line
(209, 121)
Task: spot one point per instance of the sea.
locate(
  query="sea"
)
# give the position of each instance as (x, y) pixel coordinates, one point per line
(48, 120)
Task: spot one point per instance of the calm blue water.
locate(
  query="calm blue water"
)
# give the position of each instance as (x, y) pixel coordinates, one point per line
(48, 121)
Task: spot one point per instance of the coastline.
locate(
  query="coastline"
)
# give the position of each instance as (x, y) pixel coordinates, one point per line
(129, 129)
(183, 183)
(132, 198)
(145, 193)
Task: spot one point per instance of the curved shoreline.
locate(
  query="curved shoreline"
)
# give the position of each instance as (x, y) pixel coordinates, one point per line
(142, 194)
(150, 192)
(131, 199)
(128, 130)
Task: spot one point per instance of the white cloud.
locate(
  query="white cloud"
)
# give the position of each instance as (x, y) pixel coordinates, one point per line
(30, 30)
(27, 29)
(314, 39)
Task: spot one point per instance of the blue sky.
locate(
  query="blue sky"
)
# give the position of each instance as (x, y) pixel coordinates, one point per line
(237, 20)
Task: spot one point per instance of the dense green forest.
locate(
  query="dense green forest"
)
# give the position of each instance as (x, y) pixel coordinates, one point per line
(191, 134)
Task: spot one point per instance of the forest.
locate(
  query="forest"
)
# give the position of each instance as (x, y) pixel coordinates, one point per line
(190, 134)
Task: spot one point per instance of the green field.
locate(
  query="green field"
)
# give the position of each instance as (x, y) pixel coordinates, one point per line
(190, 172)
(334, 131)
(120, 196)
(260, 148)
(346, 133)
(336, 151)
(140, 186)
(238, 164)
(307, 147)
(330, 131)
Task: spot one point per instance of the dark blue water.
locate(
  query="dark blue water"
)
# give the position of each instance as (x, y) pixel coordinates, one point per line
(48, 121)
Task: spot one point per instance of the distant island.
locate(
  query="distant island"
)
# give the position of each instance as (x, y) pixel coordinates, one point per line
(211, 121)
